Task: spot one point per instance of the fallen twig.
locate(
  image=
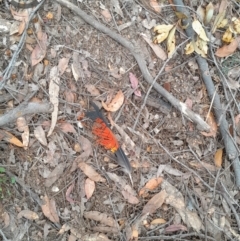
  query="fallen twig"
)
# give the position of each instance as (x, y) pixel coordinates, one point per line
(230, 147)
(24, 109)
(136, 52)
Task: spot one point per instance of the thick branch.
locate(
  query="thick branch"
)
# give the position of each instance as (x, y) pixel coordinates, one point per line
(25, 109)
(230, 146)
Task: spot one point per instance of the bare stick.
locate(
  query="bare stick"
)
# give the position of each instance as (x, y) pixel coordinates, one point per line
(24, 109)
(231, 150)
(136, 52)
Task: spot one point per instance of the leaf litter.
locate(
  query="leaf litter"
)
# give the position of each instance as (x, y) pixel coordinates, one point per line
(54, 153)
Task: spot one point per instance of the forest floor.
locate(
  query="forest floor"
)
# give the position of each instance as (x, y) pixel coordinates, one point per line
(174, 113)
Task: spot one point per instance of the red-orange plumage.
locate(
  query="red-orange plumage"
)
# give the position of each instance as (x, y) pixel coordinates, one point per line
(105, 136)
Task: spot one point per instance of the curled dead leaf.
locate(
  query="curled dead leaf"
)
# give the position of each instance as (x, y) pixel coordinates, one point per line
(213, 126)
(92, 90)
(90, 172)
(7, 136)
(28, 214)
(40, 135)
(160, 53)
(155, 202)
(115, 103)
(227, 50)
(150, 185)
(49, 209)
(89, 187)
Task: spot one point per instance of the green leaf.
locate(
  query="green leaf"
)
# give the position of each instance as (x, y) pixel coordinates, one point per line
(13, 180)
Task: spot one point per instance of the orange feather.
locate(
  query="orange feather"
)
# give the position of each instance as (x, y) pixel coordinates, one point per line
(105, 136)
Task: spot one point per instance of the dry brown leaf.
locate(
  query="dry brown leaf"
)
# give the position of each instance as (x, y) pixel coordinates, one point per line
(40, 135)
(67, 127)
(68, 193)
(107, 15)
(171, 42)
(150, 185)
(155, 5)
(127, 191)
(175, 227)
(237, 119)
(167, 86)
(158, 221)
(89, 187)
(115, 103)
(90, 172)
(201, 13)
(23, 127)
(201, 165)
(103, 218)
(213, 126)
(218, 158)
(69, 96)
(62, 65)
(53, 96)
(28, 215)
(86, 147)
(76, 68)
(227, 50)
(175, 199)
(39, 51)
(169, 169)
(223, 6)
(22, 15)
(55, 174)
(92, 90)
(189, 103)
(134, 83)
(6, 219)
(7, 136)
(136, 227)
(49, 209)
(155, 202)
(129, 197)
(66, 227)
(49, 15)
(160, 53)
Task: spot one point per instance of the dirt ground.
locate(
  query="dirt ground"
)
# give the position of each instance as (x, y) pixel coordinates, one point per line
(63, 185)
